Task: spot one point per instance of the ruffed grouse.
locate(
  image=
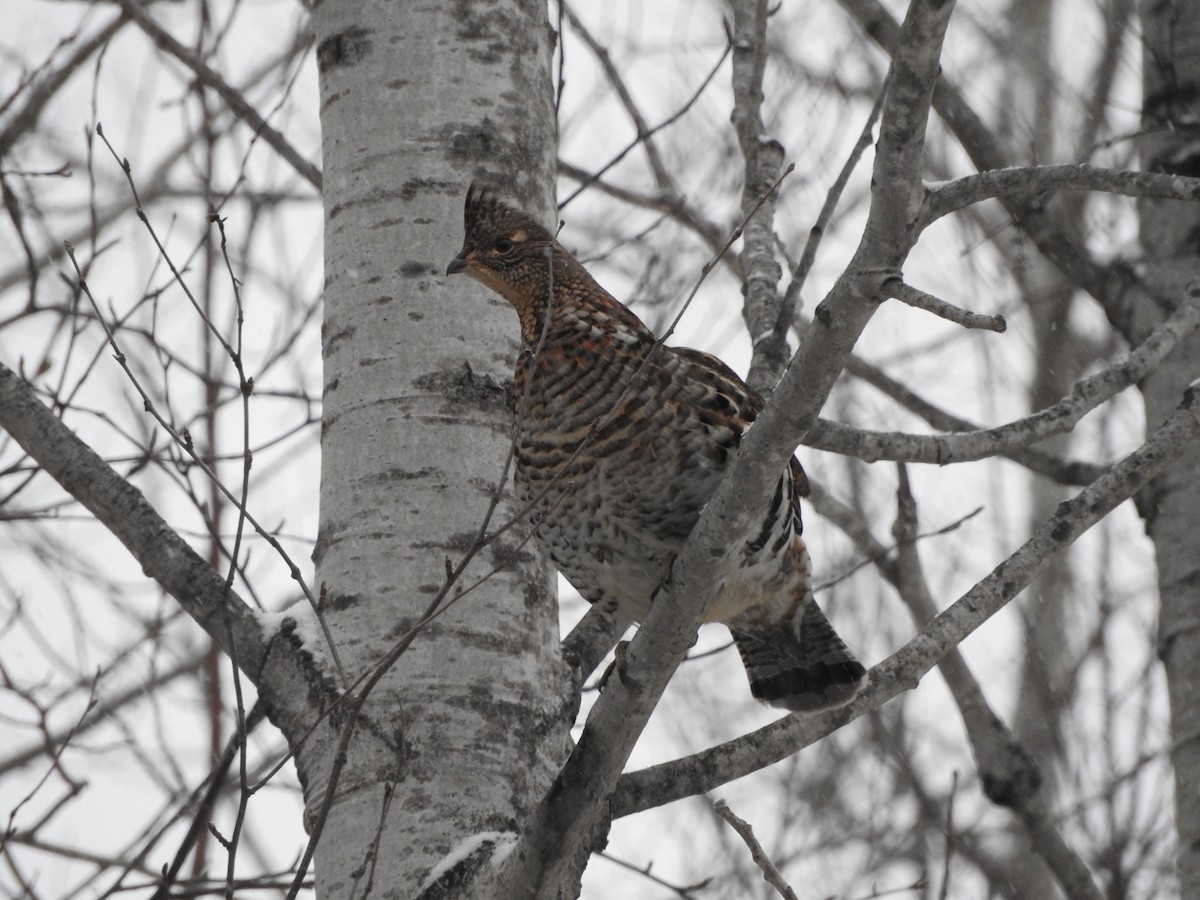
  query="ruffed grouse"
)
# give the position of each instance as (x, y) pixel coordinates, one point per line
(617, 456)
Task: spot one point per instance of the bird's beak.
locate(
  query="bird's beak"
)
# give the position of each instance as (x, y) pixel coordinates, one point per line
(458, 264)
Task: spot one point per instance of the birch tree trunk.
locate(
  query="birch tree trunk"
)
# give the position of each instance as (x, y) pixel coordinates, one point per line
(469, 725)
(1171, 507)
(419, 775)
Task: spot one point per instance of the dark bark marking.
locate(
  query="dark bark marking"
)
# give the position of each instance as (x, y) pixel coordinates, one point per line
(346, 48)
(463, 386)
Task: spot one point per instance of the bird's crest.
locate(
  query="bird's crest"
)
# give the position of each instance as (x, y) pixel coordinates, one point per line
(485, 217)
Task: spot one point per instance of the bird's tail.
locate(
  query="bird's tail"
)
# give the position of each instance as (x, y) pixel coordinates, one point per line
(801, 665)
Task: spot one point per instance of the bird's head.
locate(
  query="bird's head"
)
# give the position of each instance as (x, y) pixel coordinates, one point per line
(504, 249)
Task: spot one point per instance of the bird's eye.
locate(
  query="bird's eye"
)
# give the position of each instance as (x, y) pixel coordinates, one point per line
(504, 245)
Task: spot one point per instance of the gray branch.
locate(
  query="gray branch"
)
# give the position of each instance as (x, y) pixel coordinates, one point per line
(918, 299)
(25, 117)
(770, 872)
(1060, 417)
(904, 669)
(104, 710)
(233, 98)
(560, 833)
(276, 670)
(963, 192)
(1064, 471)
(1107, 284)
(1008, 774)
(762, 158)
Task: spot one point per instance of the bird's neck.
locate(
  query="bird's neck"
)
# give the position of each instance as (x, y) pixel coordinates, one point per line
(571, 305)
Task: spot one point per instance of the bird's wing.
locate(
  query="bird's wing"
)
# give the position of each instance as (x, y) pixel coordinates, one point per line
(747, 402)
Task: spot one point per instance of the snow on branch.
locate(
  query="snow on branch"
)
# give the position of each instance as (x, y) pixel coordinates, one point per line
(162, 553)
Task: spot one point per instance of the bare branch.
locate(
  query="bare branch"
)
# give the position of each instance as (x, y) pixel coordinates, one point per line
(188, 447)
(685, 891)
(963, 192)
(791, 298)
(1009, 775)
(164, 556)
(902, 671)
(918, 299)
(948, 855)
(1088, 393)
(1064, 471)
(762, 158)
(644, 134)
(102, 711)
(48, 82)
(1110, 286)
(770, 872)
(747, 218)
(575, 810)
(241, 107)
(676, 210)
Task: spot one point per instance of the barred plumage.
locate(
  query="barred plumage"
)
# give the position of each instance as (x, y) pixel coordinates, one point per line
(619, 444)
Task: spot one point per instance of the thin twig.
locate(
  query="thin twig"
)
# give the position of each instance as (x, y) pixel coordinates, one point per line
(233, 98)
(918, 299)
(704, 771)
(648, 133)
(885, 552)
(204, 802)
(948, 853)
(716, 257)
(54, 760)
(127, 170)
(770, 873)
(684, 891)
(44, 83)
(98, 713)
(791, 297)
(645, 135)
(188, 447)
(389, 789)
(674, 208)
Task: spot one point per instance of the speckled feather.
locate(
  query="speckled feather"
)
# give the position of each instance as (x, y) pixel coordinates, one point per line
(621, 441)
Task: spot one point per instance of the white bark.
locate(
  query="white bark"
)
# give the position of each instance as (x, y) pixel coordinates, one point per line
(470, 723)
